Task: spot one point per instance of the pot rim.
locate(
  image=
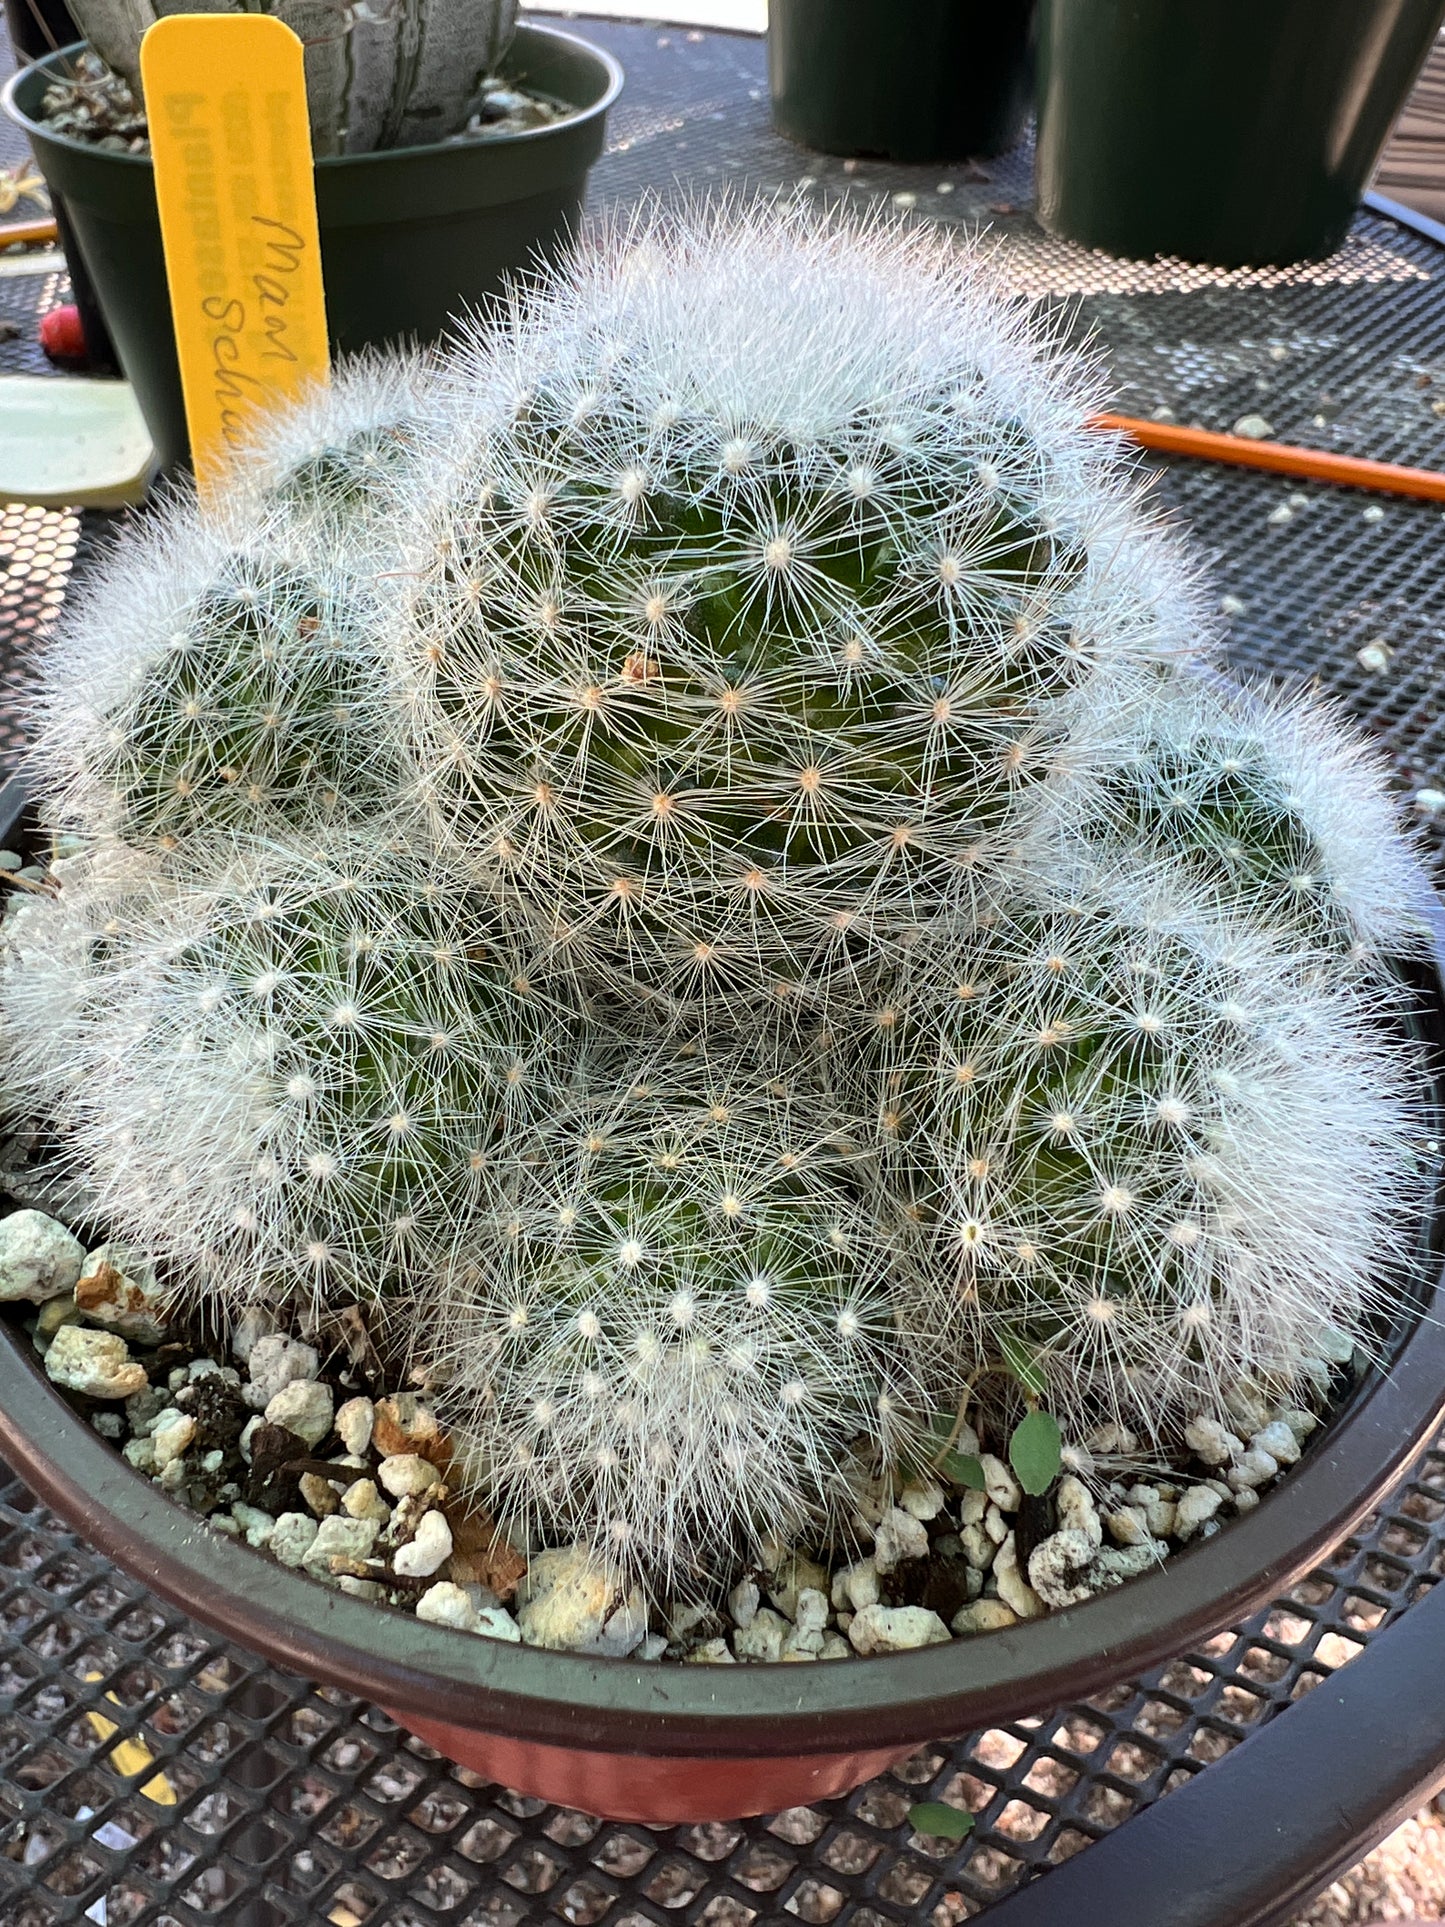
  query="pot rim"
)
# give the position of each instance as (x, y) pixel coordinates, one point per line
(579, 1700)
(382, 156)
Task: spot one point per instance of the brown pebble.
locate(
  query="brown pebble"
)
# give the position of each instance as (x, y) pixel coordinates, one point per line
(481, 1553)
(405, 1424)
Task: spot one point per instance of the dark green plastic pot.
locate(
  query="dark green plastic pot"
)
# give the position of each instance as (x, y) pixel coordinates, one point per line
(903, 80)
(1238, 133)
(409, 237)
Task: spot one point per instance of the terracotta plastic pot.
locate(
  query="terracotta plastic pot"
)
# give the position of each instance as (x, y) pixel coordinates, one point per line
(667, 1743)
(1233, 132)
(410, 237)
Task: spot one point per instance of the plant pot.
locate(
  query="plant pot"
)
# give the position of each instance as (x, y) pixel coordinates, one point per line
(1237, 133)
(669, 1743)
(409, 238)
(915, 80)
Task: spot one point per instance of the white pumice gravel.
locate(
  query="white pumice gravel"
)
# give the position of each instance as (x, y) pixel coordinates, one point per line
(895, 1629)
(899, 1537)
(291, 1537)
(303, 1406)
(341, 1539)
(1199, 1504)
(39, 1258)
(97, 1363)
(404, 1475)
(422, 1554)
(354, 1423)
(275, 1360)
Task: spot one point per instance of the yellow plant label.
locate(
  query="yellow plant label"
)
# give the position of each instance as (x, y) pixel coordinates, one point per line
(226, 102)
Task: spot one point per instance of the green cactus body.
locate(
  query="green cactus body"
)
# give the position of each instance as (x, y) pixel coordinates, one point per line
(310, 1066)
(1116, 1147)
(673, 1333)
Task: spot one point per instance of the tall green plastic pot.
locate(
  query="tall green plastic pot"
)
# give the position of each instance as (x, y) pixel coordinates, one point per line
(409, 237)
(1238, 133)
(905, 80)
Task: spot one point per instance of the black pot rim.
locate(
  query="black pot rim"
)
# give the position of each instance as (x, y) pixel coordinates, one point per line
(530, 136)
(626, 1706)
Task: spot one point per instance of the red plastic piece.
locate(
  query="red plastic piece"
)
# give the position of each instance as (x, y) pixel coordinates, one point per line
(62, 334)
(659, 1790)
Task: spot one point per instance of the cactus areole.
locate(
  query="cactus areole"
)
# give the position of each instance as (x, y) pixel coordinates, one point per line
(690, 858)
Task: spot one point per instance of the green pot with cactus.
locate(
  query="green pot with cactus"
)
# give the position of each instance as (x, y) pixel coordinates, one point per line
(428, 195)
(678, 892)
(917, 80)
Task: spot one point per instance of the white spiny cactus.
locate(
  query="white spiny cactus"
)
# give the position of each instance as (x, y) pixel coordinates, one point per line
(751, 565)
(290, 1078)
(676, 1325)
(688, 846)
(1144, 1146)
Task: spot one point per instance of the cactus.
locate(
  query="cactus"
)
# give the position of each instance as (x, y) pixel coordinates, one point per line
(677, 1327)
(288, 1080)
(751, 570)
(1144, 1148)
(1267, 802)
(220, 675)
(685, 846)
(389, 75)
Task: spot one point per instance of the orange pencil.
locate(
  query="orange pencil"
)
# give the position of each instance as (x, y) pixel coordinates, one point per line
(13, 232)
(1313, 464)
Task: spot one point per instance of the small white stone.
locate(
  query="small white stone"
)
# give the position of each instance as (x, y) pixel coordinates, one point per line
(624, 1631)
(789, 1575)
(1000, 1486)
(275, 1361)
(567, 1597)
(1115, 1564)
(223, 1522)
(924, 1499)
(812, 1613)
(1284, 513)
(1253, 428)
(141, 1453)
(404, 1475)
(1255, 1468)
(256, 1524)
(984, 1616)
(1058, 1568)
(363, 1501)
(291, 1537)
(743, 1602)
(978, 1547)
(899, 1537)
(39, 1259)
(354, 1421)
(858, 1584)
(1246, 1499)
(303, 1406)
(145, 1409)
(763, 1639)
(1210, 1442)
(421, 1556)
(996, 1526)
(369, 1589)
(336, 1538)
(1013, 1589)
(117, 1287)
(1231, 605)
(1375, 656)
(251, 1325)
(172, 1436)
(1158, 1511)
(97, 1363)
(835, 1646)
(895, 1629)
(1197, 1505)
(495, 1622)
(1127, 1526)
(447, 1605)
(1429, 802)
(1278, 1439)
(972, 1505)
(1247, 1406)
(1077, 1511)
(712, 1652)
(653, 1647)
(1374, 513)
(1300, 1422)
(248, 1432)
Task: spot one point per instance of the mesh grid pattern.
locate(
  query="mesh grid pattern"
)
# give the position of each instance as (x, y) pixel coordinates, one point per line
(151, 1777)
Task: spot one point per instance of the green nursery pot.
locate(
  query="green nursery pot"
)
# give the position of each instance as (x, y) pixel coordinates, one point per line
(1238, 133)
(409, 237)
(904, 80)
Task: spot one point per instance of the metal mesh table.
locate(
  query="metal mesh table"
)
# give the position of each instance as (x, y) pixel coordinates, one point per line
(152, 1777)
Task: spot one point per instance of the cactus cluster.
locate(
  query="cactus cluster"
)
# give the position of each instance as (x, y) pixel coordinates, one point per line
(689, 849)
